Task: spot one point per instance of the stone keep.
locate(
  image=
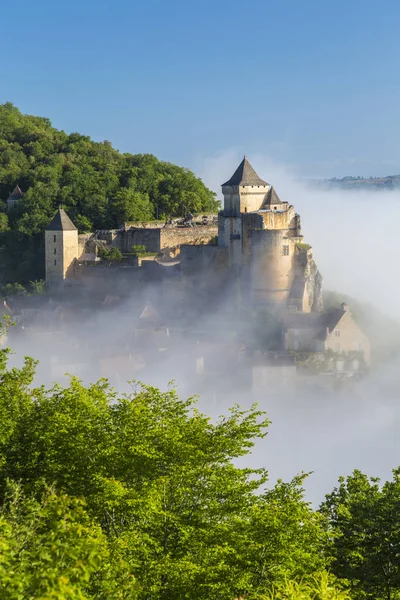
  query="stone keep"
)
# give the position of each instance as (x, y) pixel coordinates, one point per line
(61, 247)
(263, 235)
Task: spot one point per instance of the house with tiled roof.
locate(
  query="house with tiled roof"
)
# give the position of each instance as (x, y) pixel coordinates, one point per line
(335, 330)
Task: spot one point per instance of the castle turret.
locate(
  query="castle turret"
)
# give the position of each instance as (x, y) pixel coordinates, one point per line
(61, 247)
(244, 192)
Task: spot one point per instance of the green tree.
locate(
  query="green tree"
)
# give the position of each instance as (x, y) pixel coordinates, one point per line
(98, 187)
(365, 534)
(161, 480)
(37, 287)
(13, 289)
(111, 255)
(52, 549)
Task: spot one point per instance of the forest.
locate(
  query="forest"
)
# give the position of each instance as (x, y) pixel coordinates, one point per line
(99, 187)
(141, 496)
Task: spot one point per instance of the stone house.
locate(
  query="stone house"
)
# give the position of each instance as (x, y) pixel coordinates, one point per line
(334, 330)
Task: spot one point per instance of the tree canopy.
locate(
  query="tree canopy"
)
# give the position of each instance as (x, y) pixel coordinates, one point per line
(98, 186)
(140, 495)
(364, 528)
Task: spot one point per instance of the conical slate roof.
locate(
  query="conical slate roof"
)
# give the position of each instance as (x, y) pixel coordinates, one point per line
(61, 222)
(16, 194)
(272, 198)
(245, 175)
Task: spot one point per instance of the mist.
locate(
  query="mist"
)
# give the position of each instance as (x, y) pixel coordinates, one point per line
(327, 432)
(353, 235)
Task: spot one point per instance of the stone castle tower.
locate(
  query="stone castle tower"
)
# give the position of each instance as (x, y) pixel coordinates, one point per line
(263, 237)
(61, 247)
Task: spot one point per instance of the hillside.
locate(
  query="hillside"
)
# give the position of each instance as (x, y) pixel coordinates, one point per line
(360, 183)
(98, 186)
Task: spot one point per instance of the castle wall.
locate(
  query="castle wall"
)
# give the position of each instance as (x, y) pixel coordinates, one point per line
(157, 239)
(230, 236)
(61, 250)
(83, 242)
(272, 269)
(280, 219)
(172, 237)
(250, 221)
(138, 236)
(243, 199)
(197, 259)
(252, 197)
(70, 252)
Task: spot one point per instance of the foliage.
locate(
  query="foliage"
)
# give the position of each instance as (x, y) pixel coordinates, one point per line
(365, 534)
(52, 549)
(177, 515)
(302, 246)
(321, 587)
(16, 289)
(37, 287)
(138, 250)
(13, 289)
(98, 187)
(111, 255)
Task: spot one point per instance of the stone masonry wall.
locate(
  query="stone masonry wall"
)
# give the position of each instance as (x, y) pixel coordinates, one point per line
(61, 250)
(158, 239)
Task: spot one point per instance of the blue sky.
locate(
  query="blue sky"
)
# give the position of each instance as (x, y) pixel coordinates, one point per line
(312, 84)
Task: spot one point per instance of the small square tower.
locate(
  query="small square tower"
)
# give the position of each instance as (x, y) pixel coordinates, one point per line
(61, 247)
(14, 198)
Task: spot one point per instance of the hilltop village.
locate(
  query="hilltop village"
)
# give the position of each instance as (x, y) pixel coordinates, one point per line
(235, 296)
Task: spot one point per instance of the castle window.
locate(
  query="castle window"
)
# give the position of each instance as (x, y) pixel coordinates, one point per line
(337, 332)
(55, 251)
(55, 262)
(55, 238)
(245, 209)
(285, 250)
(274, 207)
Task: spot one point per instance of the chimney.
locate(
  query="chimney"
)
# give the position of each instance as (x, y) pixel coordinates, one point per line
(345, 308)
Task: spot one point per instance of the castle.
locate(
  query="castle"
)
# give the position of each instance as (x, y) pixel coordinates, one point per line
(211, 280)
(259, 241)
